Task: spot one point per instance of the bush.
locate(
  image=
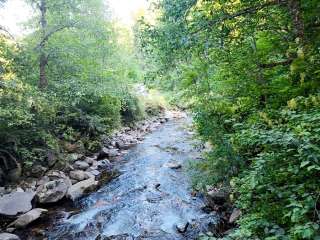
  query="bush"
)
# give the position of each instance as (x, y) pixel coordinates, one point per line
(154, 103)
(34, 123)
(93, 115)
(132, 108)
(279, 192)
(215, 119)
(26, 116)
(270, 160)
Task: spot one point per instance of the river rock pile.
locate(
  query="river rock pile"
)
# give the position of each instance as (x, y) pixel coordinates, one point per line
(218, 201)
(19, 204)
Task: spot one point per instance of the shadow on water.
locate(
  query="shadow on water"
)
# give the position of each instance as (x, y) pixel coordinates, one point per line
(148, 200)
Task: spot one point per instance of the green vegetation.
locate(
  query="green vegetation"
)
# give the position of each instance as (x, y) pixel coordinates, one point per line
(65, 84)
(250, 72)
(248, 69)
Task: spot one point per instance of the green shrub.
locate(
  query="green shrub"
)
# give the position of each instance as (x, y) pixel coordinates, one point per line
(279, 192)
(270, 160)
(132, 108)
(33, 123)
(26, 116)
(96, 114)
(154, 102)
(215, 120)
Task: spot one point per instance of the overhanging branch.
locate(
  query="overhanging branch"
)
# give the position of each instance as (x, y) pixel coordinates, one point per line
(49, 34)
(3, 29)
(245, 11)
(251, 10)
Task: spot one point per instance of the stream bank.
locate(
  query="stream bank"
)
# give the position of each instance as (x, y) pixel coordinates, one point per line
(151, 197)
(26, 201)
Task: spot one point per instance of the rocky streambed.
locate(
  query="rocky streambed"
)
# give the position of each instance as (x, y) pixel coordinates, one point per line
(139, 190)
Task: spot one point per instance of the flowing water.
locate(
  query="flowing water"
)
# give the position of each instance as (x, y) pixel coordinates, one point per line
(148, 200)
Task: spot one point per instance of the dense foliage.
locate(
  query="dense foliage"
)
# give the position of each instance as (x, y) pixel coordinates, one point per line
(64, 85)
(250, 72)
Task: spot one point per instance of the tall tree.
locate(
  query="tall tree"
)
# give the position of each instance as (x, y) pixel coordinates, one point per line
(43, 82)
(54, 16)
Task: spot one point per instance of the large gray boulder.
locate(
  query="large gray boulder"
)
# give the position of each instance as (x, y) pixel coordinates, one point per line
(95, 173)
(27, 218)
(79, 175)
(90, 160)
(55, 189)
(81, 165)
(125, 144)
(54, 175)
(103, 164)
(216, 196)
(77, 190)
(16, 203)
(8, 236)
(52, 191)
(107, 153)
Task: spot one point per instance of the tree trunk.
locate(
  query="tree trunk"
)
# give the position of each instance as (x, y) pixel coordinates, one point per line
(43, 81)
(294, 7)
(262, 82)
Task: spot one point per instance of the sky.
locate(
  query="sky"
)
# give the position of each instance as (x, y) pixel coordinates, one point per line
(125, 9)
(16, 11)
(13, 13)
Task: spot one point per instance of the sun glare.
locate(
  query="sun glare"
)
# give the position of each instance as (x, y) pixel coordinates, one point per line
(15, 12)
(126, 10)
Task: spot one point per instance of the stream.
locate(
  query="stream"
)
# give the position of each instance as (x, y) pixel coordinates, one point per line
(151, 199)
